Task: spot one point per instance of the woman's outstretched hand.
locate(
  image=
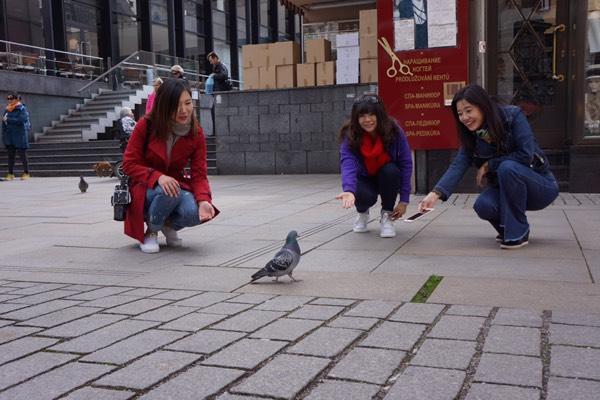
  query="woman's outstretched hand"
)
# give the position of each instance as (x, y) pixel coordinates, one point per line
(399, 210)
(169, 185)
(429, 201)
(206, 211)
(481, 175)
(347, 199)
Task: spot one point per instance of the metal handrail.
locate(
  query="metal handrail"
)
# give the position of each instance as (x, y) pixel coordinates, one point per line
(105, 74)
(50, 50)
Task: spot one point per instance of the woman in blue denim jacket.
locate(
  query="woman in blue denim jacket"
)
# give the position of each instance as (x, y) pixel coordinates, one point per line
(511, 167)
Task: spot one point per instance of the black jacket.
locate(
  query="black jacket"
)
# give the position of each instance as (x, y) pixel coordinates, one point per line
(221, 77)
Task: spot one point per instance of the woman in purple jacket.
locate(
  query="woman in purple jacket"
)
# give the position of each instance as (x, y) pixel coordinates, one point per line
(375, 160)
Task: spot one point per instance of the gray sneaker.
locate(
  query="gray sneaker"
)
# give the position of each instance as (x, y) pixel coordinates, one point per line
(386, 229)
(360, 224)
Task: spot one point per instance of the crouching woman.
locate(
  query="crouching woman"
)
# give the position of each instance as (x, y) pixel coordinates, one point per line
(161, 146)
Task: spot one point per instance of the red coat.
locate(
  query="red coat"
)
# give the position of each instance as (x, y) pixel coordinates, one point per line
(144, 171)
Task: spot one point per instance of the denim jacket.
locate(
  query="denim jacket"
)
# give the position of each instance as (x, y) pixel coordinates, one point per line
(352, 165)
(521, 147)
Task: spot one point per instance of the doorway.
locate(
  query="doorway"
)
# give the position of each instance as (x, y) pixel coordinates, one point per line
(528, 43)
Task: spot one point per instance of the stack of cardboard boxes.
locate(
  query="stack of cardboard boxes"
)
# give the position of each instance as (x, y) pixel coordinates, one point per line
(347, 58)
(318, 69)
(368, 45)
(270, 66)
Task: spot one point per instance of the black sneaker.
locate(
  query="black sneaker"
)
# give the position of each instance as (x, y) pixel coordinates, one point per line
(515, 244)
(499, 238)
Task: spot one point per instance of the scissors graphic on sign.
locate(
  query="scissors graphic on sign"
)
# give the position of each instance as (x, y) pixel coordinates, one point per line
(392, 71)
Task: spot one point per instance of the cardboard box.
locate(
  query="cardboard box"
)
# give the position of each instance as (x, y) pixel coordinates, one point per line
(346, 71)
(284, 53)
(255, 55)
(347, 39)
(305, 75)
(267, 77)
(368, 70)
(367, 21)
(593, 5)
(286, 76)
(348, 53)
(368, 46)
(251, 79)
(325, 73)
(317, 50)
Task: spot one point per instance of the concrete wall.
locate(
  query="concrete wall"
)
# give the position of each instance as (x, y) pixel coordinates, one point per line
(291, 131)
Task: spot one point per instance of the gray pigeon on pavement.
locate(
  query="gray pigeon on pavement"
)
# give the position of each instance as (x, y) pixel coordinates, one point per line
(284, 261)
(83, 185)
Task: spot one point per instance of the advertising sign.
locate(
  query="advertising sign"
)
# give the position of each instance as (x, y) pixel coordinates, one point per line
(423, 62)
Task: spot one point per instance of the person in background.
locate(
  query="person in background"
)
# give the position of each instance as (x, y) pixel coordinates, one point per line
(219, 73)
(127, 122)
(15, 134)
(511, 167)
(163, 143)
(156, 84)
(375, 160)
(177, 72)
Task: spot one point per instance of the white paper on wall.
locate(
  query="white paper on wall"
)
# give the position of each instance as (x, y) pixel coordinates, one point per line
(404, 34)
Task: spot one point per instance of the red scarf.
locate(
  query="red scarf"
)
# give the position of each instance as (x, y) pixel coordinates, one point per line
(373, 153)
(12, 105)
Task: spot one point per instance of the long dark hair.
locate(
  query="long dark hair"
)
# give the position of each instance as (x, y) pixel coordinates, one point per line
(165, 107)
(352, 131)
(477, 96)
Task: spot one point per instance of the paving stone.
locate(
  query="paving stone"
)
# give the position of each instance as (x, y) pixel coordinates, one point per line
(513, 340)
(60, 317)
(88, 393)
(286, 329)
(323, 313)
(473, 311)
(206, 341)
(575, 335)
(225, 308)
(175, 294)
(251, 298)
(134, 347)
(326, 342)
(196, 383)
(245, 354)
(488, 391)
(563, 317)
(193, 322)
(572, 389)
(43, 297)
(427, 383)
(338, 390)
(509, 369)
(104, 336)
(6, 307)
(82, 288)
(40, 309)
(148, 370)
(5, 322)
(205, 299)
(574, 362)
(372, 308)
(21, 347)
(284, 303)
(143, 292)
(17, 371)
(285, 376)
(9, 333)
(37, 288)
(518, 317)
(454, 354)
(138, 307)
(10, 297)
(418, 313)
(56, 382)
(361, 323)
(249, 321)
(326, 301)
(16, 284)
(83, 325)
(110, 301)
(165, 314)
(229, 396)
(368, 365)
(456, 327)
(394, 335)
(100, 293)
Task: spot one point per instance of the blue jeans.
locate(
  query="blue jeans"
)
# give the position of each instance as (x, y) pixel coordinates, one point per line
(180, 211)
(386, 183)
(519, 189)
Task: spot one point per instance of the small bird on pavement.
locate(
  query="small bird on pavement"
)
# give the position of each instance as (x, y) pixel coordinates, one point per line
(83, 185)
(284, 261)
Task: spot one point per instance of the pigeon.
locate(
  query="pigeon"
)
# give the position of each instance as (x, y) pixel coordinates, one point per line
(83, 185)
(284, 261)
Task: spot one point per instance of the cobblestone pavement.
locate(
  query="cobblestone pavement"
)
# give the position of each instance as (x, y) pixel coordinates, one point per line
(109, 342)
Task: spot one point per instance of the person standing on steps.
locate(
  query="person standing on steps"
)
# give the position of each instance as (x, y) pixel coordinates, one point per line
(15, 134)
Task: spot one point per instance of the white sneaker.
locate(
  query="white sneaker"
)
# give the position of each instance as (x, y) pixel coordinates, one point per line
(360, 224)
(386, 229)
(150, 244)
(173, 239)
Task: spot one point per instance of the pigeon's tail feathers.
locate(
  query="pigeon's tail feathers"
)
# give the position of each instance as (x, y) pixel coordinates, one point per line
(259, 274)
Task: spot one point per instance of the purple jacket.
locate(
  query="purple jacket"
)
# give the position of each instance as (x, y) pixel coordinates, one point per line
(352, 165)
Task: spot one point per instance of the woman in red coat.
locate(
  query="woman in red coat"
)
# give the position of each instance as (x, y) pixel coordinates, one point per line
(161, 146)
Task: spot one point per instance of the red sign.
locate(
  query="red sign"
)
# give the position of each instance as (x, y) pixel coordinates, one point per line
(423, 61)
